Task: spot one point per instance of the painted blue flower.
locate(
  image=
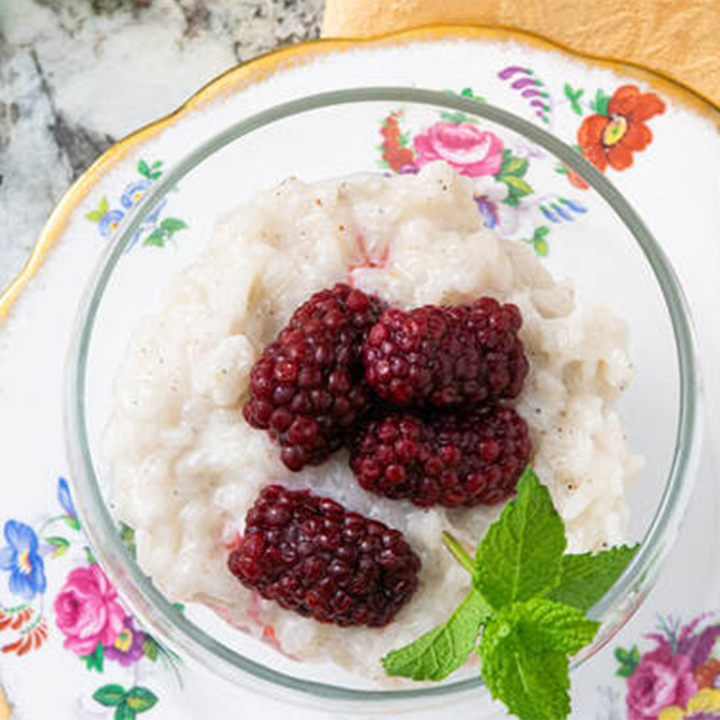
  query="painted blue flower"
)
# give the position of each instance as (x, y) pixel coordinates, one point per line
(65, 498)
(109, 222)
(21, 558)
(134, 192)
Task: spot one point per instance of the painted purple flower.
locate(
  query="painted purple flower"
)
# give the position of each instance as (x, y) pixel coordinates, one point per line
(489, 196)
(488, 210)
(128, 645)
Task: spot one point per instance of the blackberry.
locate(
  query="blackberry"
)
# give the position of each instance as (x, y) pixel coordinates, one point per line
(307, 389)
(448, 458)
(447, 356)
(311, 555)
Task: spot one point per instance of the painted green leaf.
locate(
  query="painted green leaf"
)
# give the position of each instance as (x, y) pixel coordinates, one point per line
(95, 216)
(574, 97)
(516, 166)
(156, 238)
(156, 174)
(541, 231)
(104, 205)
(89, 556)
(518, 185)
(96, 659)
(561, 170)
(71, 522)
(124, 712)
(127, 535)
(541, 247)
(157, 164)
(140, 699)
(456, 118)
(109, 695)
(628, 660)
(172, 225)
(60, 544)
(600, 103)
(150, 648)
(143, 168)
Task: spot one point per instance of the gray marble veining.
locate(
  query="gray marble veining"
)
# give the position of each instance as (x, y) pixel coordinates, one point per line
(75, 75)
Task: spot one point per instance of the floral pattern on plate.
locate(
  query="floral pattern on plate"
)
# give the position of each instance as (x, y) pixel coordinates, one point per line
(508, 203)
(155, 230)
(677, 678)
(87, 611)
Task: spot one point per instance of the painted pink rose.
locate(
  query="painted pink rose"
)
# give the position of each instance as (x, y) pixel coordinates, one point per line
(87, 611)
(468, 149)
(660, 680)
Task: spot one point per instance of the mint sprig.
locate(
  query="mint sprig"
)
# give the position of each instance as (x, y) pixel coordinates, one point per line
(526, 609)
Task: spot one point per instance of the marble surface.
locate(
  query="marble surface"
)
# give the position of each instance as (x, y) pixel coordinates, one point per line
(76, 75)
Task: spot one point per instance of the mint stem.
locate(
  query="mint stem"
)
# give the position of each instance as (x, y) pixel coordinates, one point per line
(459, 552)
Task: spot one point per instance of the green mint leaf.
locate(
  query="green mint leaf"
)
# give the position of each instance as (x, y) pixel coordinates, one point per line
(109, 695)
(551, 625)
(442, 650)
(525, 649)
(533, 684)
(521, 554)
(585, 578)
(140, 699)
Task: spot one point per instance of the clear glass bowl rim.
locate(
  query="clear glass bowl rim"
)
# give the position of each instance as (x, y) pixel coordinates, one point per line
(171, 624)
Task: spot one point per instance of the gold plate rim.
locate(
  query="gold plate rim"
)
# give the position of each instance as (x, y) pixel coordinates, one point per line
(262, 67)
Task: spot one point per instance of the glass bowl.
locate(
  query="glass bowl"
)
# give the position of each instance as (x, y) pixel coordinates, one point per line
(609, 254)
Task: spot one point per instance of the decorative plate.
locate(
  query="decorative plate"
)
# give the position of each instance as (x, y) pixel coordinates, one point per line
(68, 646)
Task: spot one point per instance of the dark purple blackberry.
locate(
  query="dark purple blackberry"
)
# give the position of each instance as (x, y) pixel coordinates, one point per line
(447, 356)
(468, 458)
(307, 389)
(312, 556)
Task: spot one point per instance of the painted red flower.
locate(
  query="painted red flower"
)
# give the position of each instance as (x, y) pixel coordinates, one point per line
(612, 139)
